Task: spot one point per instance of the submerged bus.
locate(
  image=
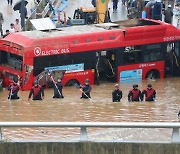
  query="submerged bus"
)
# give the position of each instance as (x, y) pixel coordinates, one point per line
(101, 52)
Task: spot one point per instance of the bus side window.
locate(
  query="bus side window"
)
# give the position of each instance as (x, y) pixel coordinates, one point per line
(3, 57)
(153, 52)
(133, 54)
(169, 51)
(11, 60)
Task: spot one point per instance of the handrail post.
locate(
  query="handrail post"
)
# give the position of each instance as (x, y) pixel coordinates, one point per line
(0, 134)
(175, 135)
(83, 134)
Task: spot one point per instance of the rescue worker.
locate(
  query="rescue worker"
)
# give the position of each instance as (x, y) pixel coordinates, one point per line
(86, 89)
(13, 89)
(149, 93)
(116, 94)
(37, 91)
(134, 94)
(168, 15)
(58, 88)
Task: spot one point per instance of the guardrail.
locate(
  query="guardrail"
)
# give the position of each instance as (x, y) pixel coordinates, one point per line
(84, 125)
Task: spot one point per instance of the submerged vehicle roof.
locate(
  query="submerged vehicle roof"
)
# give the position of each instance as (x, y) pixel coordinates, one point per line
(133, 29)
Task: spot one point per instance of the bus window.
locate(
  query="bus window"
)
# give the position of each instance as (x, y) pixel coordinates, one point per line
(153, 52)
(169, 58)
(133, 54)
(87, 58)
(11, 60)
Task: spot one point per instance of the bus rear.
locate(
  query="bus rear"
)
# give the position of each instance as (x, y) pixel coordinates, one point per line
(11, 62)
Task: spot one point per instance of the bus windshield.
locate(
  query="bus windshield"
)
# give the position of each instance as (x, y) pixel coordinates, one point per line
(11, 60)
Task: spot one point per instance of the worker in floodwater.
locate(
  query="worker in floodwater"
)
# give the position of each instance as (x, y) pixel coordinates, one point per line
(13, 89)
(134, 94)
(37, 91)
(58, 88)
(86, 89)
(149, 92)
(168, 15)
(116, 94)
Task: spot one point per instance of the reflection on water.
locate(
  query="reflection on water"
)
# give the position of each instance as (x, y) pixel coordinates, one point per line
(100, 108)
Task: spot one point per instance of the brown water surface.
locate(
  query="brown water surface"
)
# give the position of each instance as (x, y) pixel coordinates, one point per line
(100, 108)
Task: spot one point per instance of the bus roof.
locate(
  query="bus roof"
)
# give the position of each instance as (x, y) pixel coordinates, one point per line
(74, 30)
(129, 30)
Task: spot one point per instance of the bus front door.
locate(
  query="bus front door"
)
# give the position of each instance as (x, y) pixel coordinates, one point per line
(176, 59)
(172, 59)
(105, 66)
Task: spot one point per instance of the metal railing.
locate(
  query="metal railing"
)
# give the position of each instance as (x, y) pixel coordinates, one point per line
(84, 125)
(44, 6)
(46, 9)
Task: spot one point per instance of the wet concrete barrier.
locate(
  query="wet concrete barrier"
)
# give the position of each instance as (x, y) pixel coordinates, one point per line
(88, 148)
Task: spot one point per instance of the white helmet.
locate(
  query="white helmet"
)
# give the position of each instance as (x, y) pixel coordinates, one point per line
(169, 6)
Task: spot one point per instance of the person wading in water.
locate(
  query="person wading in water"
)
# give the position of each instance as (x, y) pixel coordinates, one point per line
(37, 91)
(116, 94)
(149, 93)
(13, 89)
(86, 89)
(58, 88)
(134, 94)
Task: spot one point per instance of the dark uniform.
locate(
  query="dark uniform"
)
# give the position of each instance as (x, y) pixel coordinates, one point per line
(10, 2)
(13, 89)
(115, 5)
(168, 15)
(149, 93)
(116, 94)
(134, 94)
(86, 88)
(58, 89)
(37, 91)
(7, 33)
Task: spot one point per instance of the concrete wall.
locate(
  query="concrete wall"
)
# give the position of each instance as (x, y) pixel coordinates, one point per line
(88, 148)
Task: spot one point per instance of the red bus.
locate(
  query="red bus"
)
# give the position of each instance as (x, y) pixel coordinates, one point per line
(98, 52)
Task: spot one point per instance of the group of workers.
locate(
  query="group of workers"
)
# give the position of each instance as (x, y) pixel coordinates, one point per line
(37, 92)
(135, 95)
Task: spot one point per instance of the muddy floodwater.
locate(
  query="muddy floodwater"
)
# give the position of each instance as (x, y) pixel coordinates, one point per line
(99, 109)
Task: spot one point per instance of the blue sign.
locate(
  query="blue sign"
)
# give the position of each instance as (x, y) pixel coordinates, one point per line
(68, 68)
(131, 75)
